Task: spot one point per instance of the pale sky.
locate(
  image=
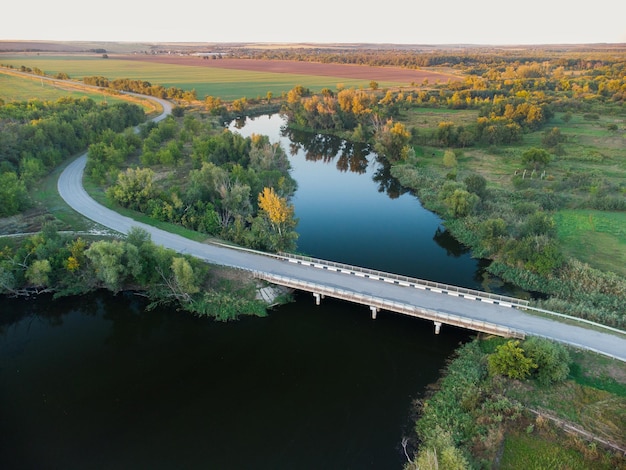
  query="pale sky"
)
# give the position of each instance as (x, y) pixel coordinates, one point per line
(501, 22)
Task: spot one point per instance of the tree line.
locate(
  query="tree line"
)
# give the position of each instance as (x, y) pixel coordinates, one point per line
(36, 136)
(61, 265)
(142, 87)
(473, 60)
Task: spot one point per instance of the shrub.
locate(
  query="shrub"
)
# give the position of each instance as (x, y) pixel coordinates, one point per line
(476, 184)
(510, 360)
(449, 159)
(552, 360)
(535, 157)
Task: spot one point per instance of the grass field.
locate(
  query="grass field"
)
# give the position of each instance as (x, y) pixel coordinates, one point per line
(593, 158)
(14, 88)
(224, 83)
(595, 237)
(24, 88)
(543, 451)
(429, 118)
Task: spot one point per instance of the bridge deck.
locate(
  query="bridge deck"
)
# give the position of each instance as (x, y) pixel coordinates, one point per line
(377, 303)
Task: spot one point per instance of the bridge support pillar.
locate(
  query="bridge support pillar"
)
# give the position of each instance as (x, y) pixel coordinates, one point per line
(437, 327)
(318, 298)
(374, 311)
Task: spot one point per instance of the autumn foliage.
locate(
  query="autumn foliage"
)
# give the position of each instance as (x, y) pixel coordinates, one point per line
(277, 209)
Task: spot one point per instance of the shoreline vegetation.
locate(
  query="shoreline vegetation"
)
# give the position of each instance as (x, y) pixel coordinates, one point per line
(522, 158)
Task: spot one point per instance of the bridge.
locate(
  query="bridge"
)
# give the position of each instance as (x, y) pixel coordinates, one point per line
(376, 303)
(439, 303)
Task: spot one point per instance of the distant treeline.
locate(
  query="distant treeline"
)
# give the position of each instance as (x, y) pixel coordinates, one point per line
(588, 59)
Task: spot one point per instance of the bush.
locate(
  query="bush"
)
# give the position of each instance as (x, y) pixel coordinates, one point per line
(552, 360)
(535, 157)
(509, 360)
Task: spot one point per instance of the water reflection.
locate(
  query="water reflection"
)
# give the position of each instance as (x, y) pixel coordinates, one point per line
(445, 240)
(317, 147)
(350, 157)
(387, 184)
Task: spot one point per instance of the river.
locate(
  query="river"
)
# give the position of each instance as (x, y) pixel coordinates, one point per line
(351, 210)
(98, 382)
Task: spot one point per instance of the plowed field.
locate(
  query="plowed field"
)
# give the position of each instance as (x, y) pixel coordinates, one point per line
(363, 72)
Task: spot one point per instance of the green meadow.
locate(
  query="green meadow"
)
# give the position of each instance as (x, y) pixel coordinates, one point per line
(595, 237)
(16, 88)
(207, 81)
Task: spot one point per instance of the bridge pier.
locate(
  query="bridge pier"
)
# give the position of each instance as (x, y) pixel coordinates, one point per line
(437, 327)
(374, 311)
(318, 298)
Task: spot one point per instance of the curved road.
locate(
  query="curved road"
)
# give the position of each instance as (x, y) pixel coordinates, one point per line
(71, 190)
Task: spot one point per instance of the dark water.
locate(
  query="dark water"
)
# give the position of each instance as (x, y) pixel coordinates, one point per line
(98, 383)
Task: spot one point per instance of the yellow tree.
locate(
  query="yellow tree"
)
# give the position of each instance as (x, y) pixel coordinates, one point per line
(277, 209)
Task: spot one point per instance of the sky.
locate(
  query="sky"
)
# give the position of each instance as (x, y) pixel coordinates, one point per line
(498, 22)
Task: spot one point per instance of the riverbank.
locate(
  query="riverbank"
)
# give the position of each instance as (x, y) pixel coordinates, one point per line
(475, 419)
(71, 265)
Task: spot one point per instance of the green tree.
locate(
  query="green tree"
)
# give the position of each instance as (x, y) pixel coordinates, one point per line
(510, 360)
(183, 282)
(265, 156)
(461, 202)
(234, 200)
(13, 194)
(476, 184)
(551, 138)
(107, 262)
(134, 188)
(552, 360)
(441, 454)
(446, 134)
(37, 273)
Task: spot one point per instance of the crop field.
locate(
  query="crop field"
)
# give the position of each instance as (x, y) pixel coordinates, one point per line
(224, 78)
(228, 84)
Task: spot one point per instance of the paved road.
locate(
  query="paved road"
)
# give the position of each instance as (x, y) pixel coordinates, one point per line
(71, 190)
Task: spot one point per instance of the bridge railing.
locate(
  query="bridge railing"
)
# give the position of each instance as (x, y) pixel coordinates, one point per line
(392, 306)
(384, 276)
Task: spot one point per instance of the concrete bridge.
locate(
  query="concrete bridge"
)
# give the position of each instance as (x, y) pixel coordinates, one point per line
(376, 304)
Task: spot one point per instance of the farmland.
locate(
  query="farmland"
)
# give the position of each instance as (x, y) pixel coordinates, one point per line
(226, 78)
